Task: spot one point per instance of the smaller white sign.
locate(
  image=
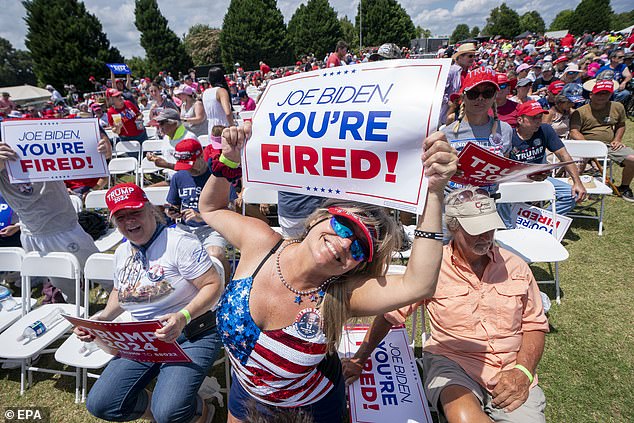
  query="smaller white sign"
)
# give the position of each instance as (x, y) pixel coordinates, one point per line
(54, 150)
(531, 217)
(389, 388)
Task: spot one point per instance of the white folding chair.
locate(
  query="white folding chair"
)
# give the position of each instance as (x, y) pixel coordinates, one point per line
(152, 145)
(122, 166)
(36, 264)
(129, 148)
(97, 200)
(584, 149)
(100, 267)
(532, 245)
(11, 261)
(244, 115)
(151, 132)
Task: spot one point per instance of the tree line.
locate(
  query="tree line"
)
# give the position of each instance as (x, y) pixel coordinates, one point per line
(75, 46)
(589, 15)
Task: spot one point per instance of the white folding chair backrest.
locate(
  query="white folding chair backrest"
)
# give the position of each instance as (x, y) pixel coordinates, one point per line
(585, 149)
(519, 192)
(52, 265)
(204, 140)
(11, 259)
(244, 115)
(96, 199)
(157, 195)
(122, 165)
(522, 192)
(128, 147)
(152, 145)
(151, 132)
(99, 266)
(77, 203)
(256, 195)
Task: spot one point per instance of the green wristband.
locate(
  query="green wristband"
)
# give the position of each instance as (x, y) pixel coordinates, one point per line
(227, 162)
(188, 317)
(525, 371)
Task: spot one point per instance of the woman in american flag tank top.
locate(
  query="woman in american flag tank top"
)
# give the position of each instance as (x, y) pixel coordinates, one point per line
(281, 316)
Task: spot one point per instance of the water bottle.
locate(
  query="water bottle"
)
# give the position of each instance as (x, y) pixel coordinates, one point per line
(88, 348)
(39, 327)
(7, 303)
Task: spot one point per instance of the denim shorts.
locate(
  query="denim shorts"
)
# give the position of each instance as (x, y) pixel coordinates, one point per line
(329, 409)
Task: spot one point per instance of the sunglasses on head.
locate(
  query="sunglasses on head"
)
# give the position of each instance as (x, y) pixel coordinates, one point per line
(487, 93)
(183, 155)
(468, 195)
(345, 229)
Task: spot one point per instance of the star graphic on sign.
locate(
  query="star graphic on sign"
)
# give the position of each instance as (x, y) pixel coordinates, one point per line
(345, 72)
(353, 70)
(308, 188)
(332, 73)
(338, 192)
(339, 73)
(315, 189)
(323, 189)
(330, 190)
(326, 74)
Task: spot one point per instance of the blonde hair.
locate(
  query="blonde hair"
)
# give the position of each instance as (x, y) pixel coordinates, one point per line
(336, 301)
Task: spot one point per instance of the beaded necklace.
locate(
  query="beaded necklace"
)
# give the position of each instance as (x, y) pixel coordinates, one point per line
(316, 294)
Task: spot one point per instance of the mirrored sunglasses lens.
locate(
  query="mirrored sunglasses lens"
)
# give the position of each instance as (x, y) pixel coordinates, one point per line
(356, 250)
(341, 229)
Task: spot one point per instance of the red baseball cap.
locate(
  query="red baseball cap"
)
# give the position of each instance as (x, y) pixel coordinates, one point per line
(560, 59)
(92, 78)
(112, 92)
(125, 196)
(479, 76)
(370, 233)
(530, 108)
(603, 85)
(555, 87)
(187, 152)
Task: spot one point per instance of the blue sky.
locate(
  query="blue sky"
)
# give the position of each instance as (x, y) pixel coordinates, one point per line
(117, 16)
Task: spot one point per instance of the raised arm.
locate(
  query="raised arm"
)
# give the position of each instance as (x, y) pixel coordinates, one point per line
(240, 231)
(378, 295)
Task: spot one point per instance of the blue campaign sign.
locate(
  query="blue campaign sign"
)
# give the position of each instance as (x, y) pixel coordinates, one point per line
(6, 213)
(119, 68)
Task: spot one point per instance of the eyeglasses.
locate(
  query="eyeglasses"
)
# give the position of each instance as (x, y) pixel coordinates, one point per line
(619, 57)
(503, 86)
(345, 229)
(486, 94)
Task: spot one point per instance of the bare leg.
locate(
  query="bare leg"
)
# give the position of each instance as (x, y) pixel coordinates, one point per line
(461, 406)
(628, 171)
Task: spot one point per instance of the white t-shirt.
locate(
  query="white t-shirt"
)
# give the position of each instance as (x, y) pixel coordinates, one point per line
(163, 285)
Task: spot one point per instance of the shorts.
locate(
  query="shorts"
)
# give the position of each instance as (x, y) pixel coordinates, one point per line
(440, 372)
(206, 235)
(619, 156)
(330, 408)
(74, 241)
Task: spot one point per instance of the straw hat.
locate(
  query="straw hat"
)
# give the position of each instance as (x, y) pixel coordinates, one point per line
(464, 48)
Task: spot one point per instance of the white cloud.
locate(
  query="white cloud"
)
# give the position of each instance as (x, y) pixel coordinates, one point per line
(117, 16)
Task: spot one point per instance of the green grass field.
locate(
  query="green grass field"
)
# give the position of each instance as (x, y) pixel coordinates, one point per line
(587, 370)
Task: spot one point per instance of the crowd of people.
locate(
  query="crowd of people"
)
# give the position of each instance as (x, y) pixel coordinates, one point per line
(281, 313)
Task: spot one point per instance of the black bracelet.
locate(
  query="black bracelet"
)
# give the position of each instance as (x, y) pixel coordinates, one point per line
(438, 236)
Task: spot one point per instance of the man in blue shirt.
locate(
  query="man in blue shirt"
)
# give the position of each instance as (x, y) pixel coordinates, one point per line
(532, 139)
(618, 71)
(182, 198)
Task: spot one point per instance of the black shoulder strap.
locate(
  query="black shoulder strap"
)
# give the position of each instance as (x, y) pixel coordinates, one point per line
(274, 249)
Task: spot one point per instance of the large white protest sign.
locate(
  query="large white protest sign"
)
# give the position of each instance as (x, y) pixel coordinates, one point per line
(54, 149)
(535, 218)
(352, 132)
(389, 388)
